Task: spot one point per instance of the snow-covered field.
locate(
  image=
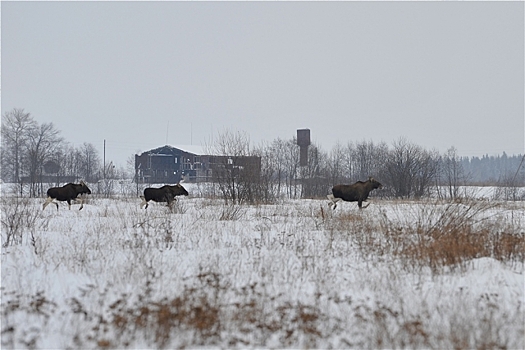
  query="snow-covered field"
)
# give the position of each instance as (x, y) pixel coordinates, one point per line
(293, 274)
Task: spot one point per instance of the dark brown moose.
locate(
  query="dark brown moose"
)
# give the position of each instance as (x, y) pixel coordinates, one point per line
(357, 192)
(164, 194)
(67, 193)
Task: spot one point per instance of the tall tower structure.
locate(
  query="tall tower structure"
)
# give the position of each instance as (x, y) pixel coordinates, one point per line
(303, 140)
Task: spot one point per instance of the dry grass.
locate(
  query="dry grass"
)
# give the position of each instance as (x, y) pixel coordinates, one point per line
(202, 315)
(437, 235)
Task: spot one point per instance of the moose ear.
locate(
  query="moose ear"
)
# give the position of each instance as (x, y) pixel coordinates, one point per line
(370, 178)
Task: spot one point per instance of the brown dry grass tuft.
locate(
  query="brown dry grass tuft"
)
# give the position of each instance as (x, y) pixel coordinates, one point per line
(436, 235)
(200, 316)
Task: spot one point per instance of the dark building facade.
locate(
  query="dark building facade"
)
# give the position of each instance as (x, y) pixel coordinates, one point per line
(168, 164)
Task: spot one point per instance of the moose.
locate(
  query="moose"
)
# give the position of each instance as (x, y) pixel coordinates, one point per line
(67, 193)
(358, 192)
(166, 193)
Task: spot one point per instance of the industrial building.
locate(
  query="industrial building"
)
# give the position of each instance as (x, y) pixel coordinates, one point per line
(170, 164)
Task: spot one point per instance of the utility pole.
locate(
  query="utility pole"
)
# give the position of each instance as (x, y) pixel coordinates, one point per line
(104, 171)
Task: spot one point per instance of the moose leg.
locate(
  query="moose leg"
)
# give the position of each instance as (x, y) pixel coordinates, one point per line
(144, 202)
(69, 203)
(48, 200)
(360, 204)
(170, 199)
(171, 202)
(333, 201)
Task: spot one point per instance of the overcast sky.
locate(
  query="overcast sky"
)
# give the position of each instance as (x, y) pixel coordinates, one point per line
(138, 74)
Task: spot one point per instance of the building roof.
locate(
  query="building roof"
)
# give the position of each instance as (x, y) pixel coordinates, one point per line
(193, 149)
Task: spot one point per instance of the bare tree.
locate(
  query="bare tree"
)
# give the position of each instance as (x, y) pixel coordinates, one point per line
(277, 159)
(267, 184)
(291, 166)
(44, 141)
(65, 160)
(336, 164)
(313, 175)
(368, 159)
(427, 170)
(31, 152)
(410, 169)
(230, 169)
(364, 158)
(17, 125)
(452, 172)
(88, 162)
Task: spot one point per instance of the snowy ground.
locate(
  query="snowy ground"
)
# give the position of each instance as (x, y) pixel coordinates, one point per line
(288, 275)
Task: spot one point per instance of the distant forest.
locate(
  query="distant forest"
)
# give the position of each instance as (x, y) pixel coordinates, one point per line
(492, 170)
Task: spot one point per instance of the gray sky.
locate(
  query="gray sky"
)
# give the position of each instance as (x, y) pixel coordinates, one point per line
(440, 74)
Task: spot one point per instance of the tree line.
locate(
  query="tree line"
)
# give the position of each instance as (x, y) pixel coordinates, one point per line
(33, 154)
(405, 169)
